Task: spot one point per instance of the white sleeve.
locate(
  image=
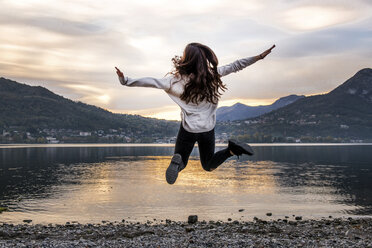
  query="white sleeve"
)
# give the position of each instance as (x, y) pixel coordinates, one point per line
(235, 66)
(162, 83)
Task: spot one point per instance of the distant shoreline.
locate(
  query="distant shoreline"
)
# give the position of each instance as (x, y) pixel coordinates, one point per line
(3, 146)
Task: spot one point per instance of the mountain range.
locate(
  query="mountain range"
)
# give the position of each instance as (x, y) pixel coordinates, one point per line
(240, 111)
(345, 111)
(35, 107)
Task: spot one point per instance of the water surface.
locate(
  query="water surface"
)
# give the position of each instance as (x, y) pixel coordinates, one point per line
(91, 183)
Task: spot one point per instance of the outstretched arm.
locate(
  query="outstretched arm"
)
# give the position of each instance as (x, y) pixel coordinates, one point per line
(242, 63)
(163, 83)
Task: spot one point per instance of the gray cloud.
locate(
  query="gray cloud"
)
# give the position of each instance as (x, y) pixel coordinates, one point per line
(55, 24)
(327, 41)
(65, 26)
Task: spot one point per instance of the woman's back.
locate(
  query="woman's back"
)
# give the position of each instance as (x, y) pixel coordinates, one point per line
(196, 117)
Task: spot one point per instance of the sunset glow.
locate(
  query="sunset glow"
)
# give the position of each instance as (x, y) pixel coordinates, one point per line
(315, 17)
(72, 47)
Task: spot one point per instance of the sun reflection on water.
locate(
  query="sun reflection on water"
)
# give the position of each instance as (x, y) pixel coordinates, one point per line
(135, 187)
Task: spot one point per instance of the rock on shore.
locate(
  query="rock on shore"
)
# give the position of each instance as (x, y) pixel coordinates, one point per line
(259, 233)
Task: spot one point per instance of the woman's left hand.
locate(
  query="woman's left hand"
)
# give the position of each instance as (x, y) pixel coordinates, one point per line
(264, 54)
(120, 74)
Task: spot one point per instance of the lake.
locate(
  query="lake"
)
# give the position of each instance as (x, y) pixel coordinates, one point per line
(91, 183)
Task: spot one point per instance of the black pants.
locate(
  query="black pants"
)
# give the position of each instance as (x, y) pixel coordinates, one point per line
(209, 160)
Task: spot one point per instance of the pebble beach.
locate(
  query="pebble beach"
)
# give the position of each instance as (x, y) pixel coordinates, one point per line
(286, 232)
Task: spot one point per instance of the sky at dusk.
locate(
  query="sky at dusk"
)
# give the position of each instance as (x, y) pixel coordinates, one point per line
(72, 46)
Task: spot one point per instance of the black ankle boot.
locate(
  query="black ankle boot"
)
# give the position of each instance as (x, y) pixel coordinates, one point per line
(239, 148)
(175, 166)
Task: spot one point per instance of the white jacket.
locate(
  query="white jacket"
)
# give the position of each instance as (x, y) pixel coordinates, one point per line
(196, 118)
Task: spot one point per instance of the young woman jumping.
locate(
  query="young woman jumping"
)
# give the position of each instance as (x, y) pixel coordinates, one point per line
(195, 85)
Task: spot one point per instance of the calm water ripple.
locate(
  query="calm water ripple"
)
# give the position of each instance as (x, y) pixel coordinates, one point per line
(95, 183)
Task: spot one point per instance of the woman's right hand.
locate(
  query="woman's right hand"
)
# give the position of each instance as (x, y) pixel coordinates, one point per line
(120, 74)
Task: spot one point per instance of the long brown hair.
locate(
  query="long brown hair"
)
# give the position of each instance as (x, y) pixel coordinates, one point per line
(199, 63)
